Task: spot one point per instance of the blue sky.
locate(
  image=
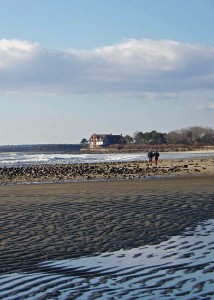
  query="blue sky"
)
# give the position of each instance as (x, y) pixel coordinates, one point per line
(71, 68)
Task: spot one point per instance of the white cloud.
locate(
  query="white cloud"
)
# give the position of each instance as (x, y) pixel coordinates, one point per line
(14, 52)
(133, 67)
(205, 107)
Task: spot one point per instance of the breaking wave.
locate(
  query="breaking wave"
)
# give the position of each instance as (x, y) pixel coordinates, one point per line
(21, 159)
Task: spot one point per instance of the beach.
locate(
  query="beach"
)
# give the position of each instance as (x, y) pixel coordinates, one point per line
(53, 220)
(66, 220)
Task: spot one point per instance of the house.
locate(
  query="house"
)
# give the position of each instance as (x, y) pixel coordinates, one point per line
(104, 140)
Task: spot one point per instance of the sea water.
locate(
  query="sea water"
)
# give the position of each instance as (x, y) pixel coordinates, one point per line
(179, 268)
(22, 159)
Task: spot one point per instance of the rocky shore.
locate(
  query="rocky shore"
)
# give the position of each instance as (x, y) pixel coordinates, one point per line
(105, 171)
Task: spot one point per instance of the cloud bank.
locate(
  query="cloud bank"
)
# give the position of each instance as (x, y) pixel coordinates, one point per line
(133, 67)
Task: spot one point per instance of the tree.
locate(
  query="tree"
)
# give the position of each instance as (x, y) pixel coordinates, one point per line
(172, 137)
(139, 137)
(207, 138)
(191, 136)
(152, 137)
(84, 141)
(127, 139)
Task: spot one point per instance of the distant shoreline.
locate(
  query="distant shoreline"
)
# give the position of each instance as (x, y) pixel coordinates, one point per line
(78, 148)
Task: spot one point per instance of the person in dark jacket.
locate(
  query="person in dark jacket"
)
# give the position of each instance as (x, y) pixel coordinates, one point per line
(150, 157)
(156, 155)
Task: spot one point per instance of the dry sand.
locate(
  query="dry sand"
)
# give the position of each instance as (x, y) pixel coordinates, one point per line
(66, 220)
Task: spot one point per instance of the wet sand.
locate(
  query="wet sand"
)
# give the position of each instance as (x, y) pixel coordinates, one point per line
(181, 267)
(68, 220)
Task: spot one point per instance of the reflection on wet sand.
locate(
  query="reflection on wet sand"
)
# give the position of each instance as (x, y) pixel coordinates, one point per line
(180, 267)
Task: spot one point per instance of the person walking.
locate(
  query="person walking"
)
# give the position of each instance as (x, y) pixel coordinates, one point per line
(156, 155)
(150, 157)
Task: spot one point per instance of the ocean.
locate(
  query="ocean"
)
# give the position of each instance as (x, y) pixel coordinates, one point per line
(22, 159)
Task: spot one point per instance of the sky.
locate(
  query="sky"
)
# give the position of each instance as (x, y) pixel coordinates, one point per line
(72, 68)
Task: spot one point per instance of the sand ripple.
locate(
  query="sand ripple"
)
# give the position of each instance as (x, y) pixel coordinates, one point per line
(181, 267)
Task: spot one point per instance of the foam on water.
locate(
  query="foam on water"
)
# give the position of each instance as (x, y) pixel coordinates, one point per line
(21, 159)
(181, 267)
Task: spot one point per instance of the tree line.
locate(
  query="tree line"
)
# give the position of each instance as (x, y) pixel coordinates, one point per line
(192, 136)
